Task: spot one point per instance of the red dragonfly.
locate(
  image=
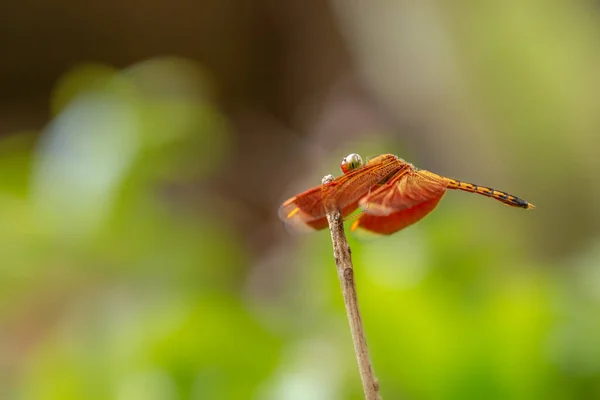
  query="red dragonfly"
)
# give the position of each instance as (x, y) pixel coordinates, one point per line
(391, 193)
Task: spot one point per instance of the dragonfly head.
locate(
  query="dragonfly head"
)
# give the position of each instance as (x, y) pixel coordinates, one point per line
(351, 162)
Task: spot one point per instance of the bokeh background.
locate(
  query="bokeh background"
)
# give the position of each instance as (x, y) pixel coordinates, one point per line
(145, 148)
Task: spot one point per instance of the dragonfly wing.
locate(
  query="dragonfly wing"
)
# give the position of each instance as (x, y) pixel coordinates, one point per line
(401, 202)
(396, 221)
(307, 211)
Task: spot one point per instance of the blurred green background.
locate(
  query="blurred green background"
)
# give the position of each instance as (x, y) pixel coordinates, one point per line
(145, 149)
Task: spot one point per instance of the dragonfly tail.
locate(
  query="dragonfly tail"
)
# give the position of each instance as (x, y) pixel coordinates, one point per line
(503, 197)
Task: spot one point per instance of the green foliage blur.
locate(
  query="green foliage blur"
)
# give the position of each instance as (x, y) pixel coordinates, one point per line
(114, 285)
(108, 290)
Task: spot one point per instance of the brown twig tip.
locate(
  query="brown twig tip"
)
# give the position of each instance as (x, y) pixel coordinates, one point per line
(327, 179)
(343, 261)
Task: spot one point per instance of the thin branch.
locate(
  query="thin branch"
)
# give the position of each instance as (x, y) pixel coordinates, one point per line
(343, 262)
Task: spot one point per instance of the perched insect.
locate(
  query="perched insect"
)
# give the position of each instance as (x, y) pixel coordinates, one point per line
(391, 193)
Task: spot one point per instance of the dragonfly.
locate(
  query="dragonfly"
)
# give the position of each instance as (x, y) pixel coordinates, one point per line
(390, 194)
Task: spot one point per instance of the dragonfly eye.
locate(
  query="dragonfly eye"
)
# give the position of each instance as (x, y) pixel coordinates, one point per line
(351, 162)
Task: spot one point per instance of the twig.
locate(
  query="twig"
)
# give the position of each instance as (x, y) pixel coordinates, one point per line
(343, 262)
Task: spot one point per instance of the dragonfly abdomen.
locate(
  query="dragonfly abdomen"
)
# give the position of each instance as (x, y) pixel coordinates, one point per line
(501, 196)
